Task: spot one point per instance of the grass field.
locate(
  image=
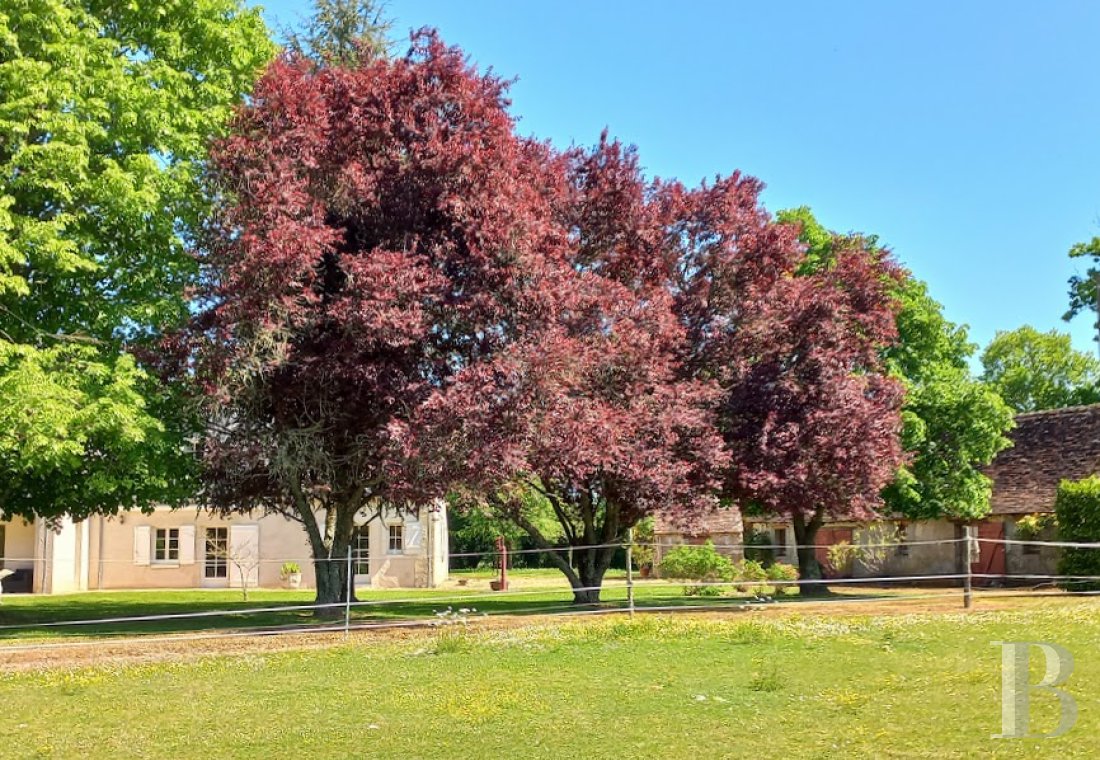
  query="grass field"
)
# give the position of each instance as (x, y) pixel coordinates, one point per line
(748, 685)
(532, 592)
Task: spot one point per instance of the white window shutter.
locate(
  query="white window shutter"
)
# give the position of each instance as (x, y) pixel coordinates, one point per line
(187, 545)
(143, 544)
(414, 538)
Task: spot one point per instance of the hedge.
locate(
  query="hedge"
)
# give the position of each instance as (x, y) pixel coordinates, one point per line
(1077, 507)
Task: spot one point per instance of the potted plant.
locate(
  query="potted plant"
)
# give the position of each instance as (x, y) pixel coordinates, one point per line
(291, 574)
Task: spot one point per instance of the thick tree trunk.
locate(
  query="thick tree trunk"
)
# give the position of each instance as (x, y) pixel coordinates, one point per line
(590, 567)
(329, 544)
(805, 535)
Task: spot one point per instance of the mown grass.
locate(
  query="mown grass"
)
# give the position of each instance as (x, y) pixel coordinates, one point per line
(534, 592)
(751, 686)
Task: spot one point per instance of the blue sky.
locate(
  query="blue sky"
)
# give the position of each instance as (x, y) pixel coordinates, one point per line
(966, 135)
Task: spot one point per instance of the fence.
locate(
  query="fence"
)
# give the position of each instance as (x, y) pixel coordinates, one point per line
(23, 625)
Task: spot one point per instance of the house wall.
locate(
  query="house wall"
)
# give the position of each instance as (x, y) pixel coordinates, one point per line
(917, 558)
(19, 545)
(1019, 562)
(117, 552)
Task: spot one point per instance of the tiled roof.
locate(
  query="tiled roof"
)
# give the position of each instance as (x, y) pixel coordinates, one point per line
(726, 520)
(1049, 446)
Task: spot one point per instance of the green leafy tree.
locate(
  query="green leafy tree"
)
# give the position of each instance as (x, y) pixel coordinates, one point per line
(1084, 290)
(1034, 370)
(953, 424)
(105, 112)
(475, 527)
(342, 32)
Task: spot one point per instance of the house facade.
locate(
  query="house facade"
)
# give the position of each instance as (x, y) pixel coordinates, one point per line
(1048, 447)
(191, 548)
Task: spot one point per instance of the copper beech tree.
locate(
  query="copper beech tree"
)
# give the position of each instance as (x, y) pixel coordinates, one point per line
(380, 227)
(810, 416)
(403, 299)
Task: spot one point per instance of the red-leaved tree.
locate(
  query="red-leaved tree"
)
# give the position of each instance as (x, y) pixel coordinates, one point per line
(381, 227)
(811, 419)
(591, 409)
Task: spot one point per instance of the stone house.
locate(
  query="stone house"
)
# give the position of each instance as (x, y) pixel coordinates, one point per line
(190, 548)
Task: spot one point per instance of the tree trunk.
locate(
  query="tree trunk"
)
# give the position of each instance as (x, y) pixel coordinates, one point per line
(805, 535)
(330, 564)
(591, 565)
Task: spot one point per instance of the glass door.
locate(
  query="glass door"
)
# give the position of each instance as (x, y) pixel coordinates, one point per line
(215, 561)
(360, 554)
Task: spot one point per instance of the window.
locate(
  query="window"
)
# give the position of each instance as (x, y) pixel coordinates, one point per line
(216, 564)
(780, 541)
(397, 539)
(166, 545)
(903, 538)
(362, 550)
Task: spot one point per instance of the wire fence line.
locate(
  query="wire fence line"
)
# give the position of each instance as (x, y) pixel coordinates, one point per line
(756, 593)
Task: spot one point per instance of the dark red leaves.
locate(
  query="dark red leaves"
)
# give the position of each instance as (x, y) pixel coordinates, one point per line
(432, 301)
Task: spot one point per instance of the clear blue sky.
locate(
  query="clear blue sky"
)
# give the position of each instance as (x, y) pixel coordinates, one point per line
(966, 135)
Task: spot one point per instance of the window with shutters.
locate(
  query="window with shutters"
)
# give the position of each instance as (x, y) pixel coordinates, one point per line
(166, 545)
(397, 539)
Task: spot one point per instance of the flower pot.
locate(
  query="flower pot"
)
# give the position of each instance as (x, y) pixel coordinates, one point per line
(645, 571)
(294, 580)
(498, 585)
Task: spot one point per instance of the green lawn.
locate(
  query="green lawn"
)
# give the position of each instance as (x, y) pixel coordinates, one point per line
(533, 591)
(752, 685)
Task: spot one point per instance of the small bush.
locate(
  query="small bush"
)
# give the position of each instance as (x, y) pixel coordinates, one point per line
(782, 575)
(702, 564)
(1029, 527)
(751, 575)
(841, 558)
(1077, 509)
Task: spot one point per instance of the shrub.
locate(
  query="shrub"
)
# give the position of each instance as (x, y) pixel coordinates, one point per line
(642, 549)
(751, 575)
(758, 547)
(1029, 527)
(782, 575)
(1077, 509)
(702, 564)
(841, 558)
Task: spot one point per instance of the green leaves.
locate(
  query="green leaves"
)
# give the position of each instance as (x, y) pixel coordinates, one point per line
(1077, 507)
(106, 110)
(1033, 370)
(952, 424)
